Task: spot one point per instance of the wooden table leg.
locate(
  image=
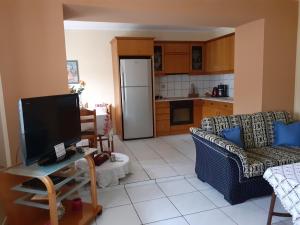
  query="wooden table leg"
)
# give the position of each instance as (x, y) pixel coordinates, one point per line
(271, 209)
(272, 213)
(52, 199)
(93, 182)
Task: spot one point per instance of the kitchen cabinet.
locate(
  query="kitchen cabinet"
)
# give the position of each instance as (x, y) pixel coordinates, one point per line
(219, 55)
(180, 129)
(197, 112)
(162, 118)
(196, 58)
(215, 56)
(176, 57)
(162, 114)
(177, 47)
(134, 46)
(158, 59)
(214, 108)
(201, 109)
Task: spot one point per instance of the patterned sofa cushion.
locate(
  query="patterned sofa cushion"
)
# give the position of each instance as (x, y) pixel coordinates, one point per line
(260, 159)
(257, 129)
(263, 128)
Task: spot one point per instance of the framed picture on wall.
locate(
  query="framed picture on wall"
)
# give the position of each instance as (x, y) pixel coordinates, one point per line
(73, 74)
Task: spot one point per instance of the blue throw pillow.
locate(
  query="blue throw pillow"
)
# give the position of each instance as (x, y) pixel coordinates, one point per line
(233, 135)
(287, 134)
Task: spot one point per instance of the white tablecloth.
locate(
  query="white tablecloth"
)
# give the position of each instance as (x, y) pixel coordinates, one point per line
(109, 172)
(285, 181)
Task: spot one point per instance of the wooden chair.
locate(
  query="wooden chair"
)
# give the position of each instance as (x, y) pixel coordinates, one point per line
(89, 126)
(105, 137)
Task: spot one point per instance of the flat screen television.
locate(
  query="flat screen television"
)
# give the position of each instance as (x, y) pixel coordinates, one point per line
(46, 122)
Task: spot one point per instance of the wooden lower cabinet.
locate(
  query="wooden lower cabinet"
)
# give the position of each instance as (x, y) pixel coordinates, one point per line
(180, 129)
(214, 108)
(202, 108)
(197, 112)
(162, 118)
(162, 127)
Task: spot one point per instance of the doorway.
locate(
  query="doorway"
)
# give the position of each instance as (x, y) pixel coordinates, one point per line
(5, 159)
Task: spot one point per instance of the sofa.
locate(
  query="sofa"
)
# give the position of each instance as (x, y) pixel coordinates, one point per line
(234, 171)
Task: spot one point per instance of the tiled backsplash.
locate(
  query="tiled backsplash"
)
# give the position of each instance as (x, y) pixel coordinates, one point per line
(180, 85)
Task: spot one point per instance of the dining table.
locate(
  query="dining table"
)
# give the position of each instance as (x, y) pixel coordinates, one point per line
(285, 181)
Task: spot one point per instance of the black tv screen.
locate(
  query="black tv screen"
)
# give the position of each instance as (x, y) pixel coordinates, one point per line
(46, 122)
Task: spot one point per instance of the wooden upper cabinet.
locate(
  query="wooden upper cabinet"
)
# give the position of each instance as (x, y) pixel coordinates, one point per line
(176, 57)
(134, 46)
(158, 59)
(215, 56)
(176, 48)
(177, 63)
(196, 58)
(219, 55)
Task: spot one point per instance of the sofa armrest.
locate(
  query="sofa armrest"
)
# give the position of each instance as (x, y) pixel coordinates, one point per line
(227, 148)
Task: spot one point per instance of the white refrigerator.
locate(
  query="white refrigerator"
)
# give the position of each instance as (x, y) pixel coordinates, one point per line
(136, 91)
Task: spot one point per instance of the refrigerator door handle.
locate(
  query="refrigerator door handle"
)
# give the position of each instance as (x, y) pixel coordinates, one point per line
(123, 95)
(123, 79)
(123, 86)
(122, 74)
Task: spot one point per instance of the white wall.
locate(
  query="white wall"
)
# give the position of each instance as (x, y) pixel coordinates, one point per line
(93, 51)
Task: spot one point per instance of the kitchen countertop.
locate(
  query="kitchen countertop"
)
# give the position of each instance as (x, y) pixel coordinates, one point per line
(217, 99)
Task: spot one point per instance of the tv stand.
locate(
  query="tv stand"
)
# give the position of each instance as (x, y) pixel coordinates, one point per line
(52, 159)
(21, 173)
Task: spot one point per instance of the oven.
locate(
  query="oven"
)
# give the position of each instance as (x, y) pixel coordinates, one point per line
(181, 112)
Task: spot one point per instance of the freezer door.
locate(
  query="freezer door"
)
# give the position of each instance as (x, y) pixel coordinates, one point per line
(137, 112)
(135, 72)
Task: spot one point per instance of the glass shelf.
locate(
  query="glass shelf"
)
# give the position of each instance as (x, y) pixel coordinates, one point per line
(37, 171)
(21, 188)
(26, 199)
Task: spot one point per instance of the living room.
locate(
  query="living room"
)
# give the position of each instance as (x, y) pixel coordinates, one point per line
(36, 41)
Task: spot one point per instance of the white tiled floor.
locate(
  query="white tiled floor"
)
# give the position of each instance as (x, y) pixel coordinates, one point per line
(175, 186)
(156, 210)
(214, 216)
(163, 190)
(144, 191)
(191, 203)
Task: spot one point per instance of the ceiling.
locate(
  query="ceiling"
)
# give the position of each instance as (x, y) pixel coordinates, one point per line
(187, 14)
(84, 25)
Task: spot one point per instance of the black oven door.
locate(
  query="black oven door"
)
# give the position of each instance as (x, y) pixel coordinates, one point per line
(181, 112)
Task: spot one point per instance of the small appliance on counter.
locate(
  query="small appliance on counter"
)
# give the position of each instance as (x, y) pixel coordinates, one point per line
(220, 91)
(223, 90)
(157, 97)
(215, 92)
(193, 93)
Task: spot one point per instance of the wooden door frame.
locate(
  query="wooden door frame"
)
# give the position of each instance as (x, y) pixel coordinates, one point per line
(4, 127)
